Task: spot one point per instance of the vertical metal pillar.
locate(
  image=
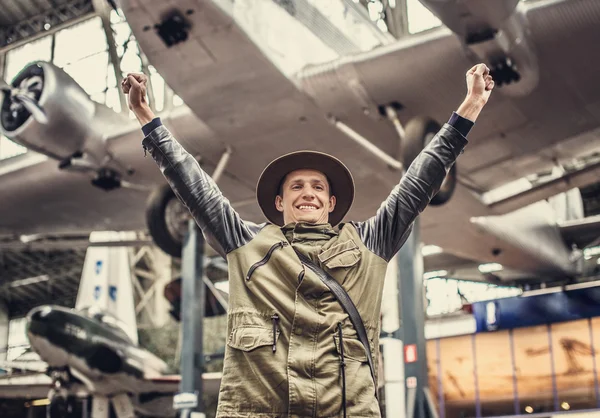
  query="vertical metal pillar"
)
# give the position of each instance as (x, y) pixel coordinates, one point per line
(189, 400)
(412, 325)
(4, 327)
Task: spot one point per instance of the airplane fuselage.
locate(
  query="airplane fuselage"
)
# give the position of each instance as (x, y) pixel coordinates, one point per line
(98, 353)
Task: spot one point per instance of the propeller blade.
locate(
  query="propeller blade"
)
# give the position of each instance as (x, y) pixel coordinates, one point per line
(34, 108)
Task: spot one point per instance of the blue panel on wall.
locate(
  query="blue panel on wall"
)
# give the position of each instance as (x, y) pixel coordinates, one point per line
(529, 311)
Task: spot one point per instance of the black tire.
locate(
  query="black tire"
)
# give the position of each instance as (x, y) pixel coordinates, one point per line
(165, 238)
(418, 133)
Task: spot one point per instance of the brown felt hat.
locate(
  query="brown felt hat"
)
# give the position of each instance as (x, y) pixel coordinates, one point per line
(340, 182)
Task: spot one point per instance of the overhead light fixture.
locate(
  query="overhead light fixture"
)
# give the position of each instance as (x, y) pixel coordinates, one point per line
(565, 406)
(528, 409)
(430, 250)
(435, 273)
(40, 402)
(489, 267)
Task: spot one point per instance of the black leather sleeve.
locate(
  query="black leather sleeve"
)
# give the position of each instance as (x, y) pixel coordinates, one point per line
(385, 232)
(222, 227)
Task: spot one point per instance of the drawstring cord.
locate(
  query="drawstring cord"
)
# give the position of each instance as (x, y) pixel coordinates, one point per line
(275, 319)
(343, 368)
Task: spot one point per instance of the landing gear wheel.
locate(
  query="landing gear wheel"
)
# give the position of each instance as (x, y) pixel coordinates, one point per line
(418, 134)
(167, 220)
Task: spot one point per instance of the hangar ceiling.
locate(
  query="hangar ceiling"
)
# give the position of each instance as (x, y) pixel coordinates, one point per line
(30, 278)
(21, 20)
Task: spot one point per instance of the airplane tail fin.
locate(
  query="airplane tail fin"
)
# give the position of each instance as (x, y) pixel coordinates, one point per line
(106, 282)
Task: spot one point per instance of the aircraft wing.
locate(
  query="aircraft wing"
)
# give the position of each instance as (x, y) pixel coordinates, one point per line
(26, 385)
(30, 366)
(226, 72)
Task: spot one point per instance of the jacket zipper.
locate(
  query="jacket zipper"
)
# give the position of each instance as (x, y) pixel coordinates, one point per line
(275, 319)
(265, 259)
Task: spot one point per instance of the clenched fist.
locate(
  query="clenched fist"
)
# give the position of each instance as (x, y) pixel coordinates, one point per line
(479, 82)
(135, 86)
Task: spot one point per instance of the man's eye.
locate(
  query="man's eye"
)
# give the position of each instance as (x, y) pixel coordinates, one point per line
(320, 188)
(296, 187)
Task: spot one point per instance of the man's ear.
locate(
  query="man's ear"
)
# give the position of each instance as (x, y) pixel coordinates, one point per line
(279, 203)
(332, 202)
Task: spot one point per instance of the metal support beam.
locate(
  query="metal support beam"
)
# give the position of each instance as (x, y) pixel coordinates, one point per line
(220, 168)
(103, 10)
(412, 326)
(4, 321)
(368, 145)
(189, 400)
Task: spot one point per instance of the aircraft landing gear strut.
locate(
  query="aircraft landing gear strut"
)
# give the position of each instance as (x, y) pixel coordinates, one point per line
(62, 405)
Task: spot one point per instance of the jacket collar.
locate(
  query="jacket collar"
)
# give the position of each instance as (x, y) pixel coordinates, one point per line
(297, 232)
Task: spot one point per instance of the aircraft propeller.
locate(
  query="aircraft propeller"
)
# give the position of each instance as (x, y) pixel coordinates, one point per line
(26, 95)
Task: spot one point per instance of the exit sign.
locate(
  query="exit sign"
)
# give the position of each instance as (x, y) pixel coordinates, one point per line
(410, 353)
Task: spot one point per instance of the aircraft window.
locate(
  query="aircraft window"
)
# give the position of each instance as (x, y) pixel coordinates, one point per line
(419, 17)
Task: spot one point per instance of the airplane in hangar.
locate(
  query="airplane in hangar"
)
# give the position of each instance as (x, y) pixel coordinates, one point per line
(92, 349)
(372, 104)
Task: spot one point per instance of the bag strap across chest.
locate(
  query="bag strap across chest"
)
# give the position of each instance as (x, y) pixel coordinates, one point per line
(347, 304)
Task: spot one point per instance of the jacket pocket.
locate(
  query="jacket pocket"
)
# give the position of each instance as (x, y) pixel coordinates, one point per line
(353, 349)
(248, 338)
(345, 254)
(265, 259)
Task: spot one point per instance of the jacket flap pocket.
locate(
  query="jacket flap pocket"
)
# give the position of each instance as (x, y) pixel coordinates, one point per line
(345, 254)
(247, 338)
(353, 349)
(337, 249)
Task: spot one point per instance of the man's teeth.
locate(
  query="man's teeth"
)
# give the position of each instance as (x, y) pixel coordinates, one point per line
(307, 207)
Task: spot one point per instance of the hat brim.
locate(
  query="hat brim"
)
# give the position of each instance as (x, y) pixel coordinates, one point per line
(340, 182)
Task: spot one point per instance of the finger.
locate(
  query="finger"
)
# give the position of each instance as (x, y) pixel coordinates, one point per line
(490, 86)
(472, 70)
(133, 80)
(139, 77)
(480, 70)
(125, 86)
(488, 79)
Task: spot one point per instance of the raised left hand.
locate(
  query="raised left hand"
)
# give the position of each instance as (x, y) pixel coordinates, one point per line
(479, 83)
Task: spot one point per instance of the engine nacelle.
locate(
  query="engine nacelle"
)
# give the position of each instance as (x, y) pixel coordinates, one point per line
(67, 130)
(46, 111)
(496, 31)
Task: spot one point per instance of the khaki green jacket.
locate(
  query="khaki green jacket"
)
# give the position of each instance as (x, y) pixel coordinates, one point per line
(283, 352)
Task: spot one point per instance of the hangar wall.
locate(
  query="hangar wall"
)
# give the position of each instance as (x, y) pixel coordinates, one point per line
(526, 370)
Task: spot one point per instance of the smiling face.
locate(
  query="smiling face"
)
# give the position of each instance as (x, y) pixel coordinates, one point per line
(305, 197)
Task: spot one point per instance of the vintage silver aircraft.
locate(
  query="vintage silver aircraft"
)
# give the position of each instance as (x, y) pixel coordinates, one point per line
(372, 104)
(92, 350)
